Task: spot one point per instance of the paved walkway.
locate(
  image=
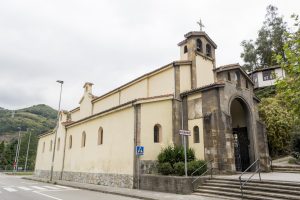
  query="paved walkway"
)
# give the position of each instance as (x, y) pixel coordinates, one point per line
(272, 176)
(151, 195)
(140, 194)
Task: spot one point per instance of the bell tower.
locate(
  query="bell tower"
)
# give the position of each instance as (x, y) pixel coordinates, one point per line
(199, 48)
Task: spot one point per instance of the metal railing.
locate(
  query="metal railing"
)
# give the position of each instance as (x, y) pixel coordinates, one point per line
(271, 163)
(207, 170)
(242, 184)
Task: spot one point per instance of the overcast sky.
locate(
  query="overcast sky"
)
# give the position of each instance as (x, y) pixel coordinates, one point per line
(110, 42)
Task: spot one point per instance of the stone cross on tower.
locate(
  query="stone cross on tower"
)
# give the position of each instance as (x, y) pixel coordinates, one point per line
(200, 24)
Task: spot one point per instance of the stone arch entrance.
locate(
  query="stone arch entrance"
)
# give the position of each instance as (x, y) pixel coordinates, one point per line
(241, 129)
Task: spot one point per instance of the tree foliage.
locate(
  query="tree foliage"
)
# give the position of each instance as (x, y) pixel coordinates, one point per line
(279, 124)
(36, 119)
(289, 87)
(270, 40)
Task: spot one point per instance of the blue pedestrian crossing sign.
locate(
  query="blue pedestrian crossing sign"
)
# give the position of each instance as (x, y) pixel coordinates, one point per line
(139, 150)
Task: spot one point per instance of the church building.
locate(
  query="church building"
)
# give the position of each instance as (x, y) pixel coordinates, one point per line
(96, 141)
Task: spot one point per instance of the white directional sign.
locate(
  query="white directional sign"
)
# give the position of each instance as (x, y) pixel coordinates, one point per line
(185, 132)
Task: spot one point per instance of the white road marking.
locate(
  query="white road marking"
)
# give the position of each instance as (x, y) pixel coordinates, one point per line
(46, 195)
(51, 187)
(62, 186)
(9, 189)
(37, 187)
(25, 188)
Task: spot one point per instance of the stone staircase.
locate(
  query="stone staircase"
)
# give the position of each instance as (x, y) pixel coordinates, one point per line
(222, 188)
(286, 168)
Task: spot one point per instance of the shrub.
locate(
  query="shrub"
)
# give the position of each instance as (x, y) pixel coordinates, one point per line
(179, 168)
(194, 165)
(165, 168)
(175, 154)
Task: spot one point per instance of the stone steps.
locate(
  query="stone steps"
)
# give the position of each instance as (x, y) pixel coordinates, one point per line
(255, 189)
(286, 168)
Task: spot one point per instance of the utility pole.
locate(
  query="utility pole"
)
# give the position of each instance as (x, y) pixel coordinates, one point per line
(55, 137)
(25, 168)
(17, 151)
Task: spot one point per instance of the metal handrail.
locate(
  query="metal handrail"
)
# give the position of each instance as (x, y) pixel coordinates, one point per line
(271, 162)
(257, 170)
(208, 169)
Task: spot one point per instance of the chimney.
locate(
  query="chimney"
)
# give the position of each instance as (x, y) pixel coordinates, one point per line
(88, 87)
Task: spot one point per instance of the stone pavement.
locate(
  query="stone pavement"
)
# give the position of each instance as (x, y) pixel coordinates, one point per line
(272, 176)
(140, 194)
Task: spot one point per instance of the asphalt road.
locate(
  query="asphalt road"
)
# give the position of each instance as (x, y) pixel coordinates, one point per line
(15, 188)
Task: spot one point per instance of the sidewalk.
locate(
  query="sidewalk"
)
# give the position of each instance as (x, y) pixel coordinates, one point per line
(133, 193)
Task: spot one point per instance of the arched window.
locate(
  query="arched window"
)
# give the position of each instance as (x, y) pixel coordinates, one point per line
(100, 136)
(196, 134)
(83, 139)
(208, 50)
(199, 45)
(70, 142)
(50, 147)
(185, 49)
(44, 147)
(247, 84)
(157, 133)
(58, 144)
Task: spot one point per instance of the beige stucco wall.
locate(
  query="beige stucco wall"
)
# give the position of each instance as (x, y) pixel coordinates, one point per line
(137, 90)
(44, 159)
(204, 70)
(151, 114)
(198, 147)
(75, 115)
(185, 78)
(195, 119)
(106, 103)
(115, 155)
(162, 83)
(183, 56)
(86, 106)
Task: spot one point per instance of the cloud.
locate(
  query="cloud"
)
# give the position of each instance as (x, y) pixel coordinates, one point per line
(109, 42)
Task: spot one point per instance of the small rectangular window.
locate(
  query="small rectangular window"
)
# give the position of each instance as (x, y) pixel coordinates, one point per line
(268, 75)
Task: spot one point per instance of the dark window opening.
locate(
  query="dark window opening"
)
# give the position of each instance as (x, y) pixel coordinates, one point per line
(185, 49)
(157, 133)
(199, 45)
(208, 50)
(268, 75)
(196, 134)
(228, 76)
(238, 79)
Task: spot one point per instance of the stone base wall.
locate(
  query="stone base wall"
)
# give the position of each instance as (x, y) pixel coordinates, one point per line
(148, 166)
(172, 184)
(114, 180)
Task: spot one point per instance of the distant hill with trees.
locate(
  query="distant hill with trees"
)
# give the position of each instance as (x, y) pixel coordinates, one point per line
(36, 120)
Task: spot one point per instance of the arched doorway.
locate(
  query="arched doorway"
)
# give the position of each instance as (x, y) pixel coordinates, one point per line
(240, 116)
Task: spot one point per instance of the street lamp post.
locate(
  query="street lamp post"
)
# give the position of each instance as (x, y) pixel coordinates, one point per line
(17, 151)
(55, 137)
(25, 168)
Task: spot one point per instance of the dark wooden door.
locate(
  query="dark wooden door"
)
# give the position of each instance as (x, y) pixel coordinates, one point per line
(241, 148)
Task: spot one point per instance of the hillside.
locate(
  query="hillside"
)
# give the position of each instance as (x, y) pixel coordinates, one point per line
(37, 119)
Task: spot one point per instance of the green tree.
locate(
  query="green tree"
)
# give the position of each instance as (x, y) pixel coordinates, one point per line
(270, 41)
(289, 87)
(279, 124)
